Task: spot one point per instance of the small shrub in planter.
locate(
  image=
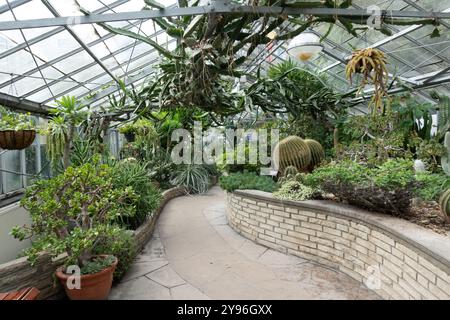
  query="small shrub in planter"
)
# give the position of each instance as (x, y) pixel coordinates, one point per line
(17, 131)
(388, 188)
(70, 214)
(247, 180)
(135, 174)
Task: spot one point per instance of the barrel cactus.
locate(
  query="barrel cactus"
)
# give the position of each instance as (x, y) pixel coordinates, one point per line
(290, 171)
(292, 151)
(444, 203)
(317, 152)
(445, 160)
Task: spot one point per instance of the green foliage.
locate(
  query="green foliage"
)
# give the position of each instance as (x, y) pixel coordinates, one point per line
(292, 151)
(290, 170)
(430, 151)
(432, 185)
(230, 161)
(134, 174)
(142, 127)
(194, 177)
(295, 190)
(247, 180)
(123, 246)
(15, 121)
(387, 188)
(97, 264)
(71, 211)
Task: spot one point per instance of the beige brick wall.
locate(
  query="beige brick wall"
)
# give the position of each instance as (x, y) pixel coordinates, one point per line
(393, 268)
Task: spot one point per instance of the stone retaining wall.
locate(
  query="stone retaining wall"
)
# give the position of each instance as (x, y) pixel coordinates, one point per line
(18, 274)
(393, 257)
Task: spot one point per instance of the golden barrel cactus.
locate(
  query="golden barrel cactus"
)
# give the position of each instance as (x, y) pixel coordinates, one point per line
(444, 203)
(292, 151)
(317, 152)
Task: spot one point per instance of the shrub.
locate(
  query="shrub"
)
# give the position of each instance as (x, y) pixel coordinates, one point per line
(123, 246)
(295, 190)
(388, 188)
(134, 174)
(432, 185)
(72, 211)
(247, 180)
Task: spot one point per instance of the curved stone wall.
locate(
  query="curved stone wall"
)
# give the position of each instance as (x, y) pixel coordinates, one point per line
(393, 257)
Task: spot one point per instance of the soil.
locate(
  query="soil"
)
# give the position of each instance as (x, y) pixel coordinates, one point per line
(428, 215)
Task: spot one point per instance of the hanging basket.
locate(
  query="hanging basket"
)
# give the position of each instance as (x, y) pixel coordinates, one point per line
(16, 140)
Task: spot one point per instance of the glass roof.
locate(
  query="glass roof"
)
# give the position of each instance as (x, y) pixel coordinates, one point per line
(43, 64)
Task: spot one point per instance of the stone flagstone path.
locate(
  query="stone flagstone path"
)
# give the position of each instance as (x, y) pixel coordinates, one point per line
(194, 254)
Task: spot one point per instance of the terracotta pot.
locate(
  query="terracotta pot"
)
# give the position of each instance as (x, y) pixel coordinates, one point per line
(16, 140)
(94, 286)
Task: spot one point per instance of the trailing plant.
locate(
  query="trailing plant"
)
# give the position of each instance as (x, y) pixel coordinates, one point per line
(123, 246)
(292, 151)
(194, 177)
(61, 130)
(295, 190)
(71, 212)
(134, 174)
(15, 121)
(370, 63)
(247, 180)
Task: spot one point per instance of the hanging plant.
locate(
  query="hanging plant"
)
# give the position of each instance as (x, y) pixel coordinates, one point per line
(17, 131)
(370, 63)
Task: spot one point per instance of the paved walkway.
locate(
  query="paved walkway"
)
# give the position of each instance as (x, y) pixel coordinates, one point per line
(194, 254)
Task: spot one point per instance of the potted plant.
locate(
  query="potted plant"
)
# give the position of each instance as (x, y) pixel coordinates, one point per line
(142, 127)
(128, 130)
(17, 130)
(70, 214)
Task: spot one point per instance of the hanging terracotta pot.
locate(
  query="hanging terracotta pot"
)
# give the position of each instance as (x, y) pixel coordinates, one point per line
(16, 139)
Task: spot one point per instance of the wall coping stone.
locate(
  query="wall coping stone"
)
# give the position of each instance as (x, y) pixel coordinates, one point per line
(435, 245)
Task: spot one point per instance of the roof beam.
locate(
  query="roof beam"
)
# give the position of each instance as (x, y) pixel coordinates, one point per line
(23, 104)
(215, 8)
(13, 5)
(80, 42)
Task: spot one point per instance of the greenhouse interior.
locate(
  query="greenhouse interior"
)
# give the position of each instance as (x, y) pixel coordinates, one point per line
(224, 150)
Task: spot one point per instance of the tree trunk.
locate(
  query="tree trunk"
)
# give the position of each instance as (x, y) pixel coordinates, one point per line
(67, 146)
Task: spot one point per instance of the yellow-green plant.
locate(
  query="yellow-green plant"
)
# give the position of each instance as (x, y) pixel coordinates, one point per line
(371, 64)
(292, 151)
(444, 203)
(317, 152)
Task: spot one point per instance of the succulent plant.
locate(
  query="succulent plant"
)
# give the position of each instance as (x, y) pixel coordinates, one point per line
(445, 160)
(317, 152)
(290, 171)
(292, 151)
(444, 203)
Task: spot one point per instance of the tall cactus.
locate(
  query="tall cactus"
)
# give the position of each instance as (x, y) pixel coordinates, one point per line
(317, 152)
(445, 160)
(444, 203)
(292, 151)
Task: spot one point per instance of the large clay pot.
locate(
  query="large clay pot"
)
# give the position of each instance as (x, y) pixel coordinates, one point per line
(16, 140)
(94, 286)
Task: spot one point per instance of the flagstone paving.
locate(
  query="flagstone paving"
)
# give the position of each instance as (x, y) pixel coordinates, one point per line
(194, 254)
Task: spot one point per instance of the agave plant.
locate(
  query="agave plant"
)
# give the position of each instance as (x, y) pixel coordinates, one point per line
(195, 178)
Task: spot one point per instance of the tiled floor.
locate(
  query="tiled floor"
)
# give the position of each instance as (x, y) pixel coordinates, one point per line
(194, 254)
